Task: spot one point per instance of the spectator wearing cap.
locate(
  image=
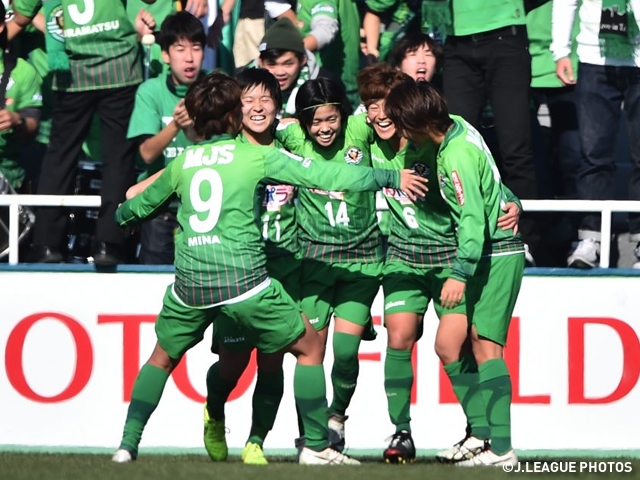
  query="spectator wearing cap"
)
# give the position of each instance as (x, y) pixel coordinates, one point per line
(282, 52)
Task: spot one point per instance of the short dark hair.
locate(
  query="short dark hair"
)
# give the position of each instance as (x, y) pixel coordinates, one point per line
(272, 54)
(252, 77)
(181, 26)
(317, 93)
(375, 81)
(213, 102)
(410, 43)
(417, 106)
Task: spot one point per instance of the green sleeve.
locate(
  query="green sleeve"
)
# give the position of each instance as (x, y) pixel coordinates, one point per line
(145, 118)
(360, 129)
(511, 197)
(29, 86)
(149, 202)
(289, 169)
(28, 8)
(291, 136)
(464, 196)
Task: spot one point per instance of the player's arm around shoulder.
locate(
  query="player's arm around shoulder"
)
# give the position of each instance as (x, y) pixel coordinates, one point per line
(291, 136)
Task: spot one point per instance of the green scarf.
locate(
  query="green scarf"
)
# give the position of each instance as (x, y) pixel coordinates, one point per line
(618, 26)
(54, 36)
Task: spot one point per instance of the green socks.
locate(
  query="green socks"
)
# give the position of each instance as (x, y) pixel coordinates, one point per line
(310, 391)
(464, 377)
(495, 387)
(146, 394)
(398, 380)
(218, 391)
(266, 400)
(344, 374)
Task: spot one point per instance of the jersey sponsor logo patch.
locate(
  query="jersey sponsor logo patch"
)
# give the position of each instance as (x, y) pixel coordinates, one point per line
(377, 159)
(353, 156)
(397, 195)
(275, 196)
(457, 185)
(322, 9)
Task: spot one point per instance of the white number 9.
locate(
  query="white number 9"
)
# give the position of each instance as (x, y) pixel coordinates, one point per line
(211, 205)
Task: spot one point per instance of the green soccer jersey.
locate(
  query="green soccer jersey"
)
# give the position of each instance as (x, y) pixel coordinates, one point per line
(342, 56)
(99, 39)
(219, 248)
(421, 233)
(277, 215)
(156, 99)
(336, 227)
(472, 16)
(470, 183)
(23, 91)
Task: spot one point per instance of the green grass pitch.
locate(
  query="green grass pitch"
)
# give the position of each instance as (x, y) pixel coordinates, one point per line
(84, 466)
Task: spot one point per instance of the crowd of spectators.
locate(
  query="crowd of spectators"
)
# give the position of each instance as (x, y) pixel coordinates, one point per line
(84, 88)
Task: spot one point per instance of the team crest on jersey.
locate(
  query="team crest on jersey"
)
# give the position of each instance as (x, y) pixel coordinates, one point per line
(8, 16)
(457, 185)
(275, 196)
(55, 23)
(421, 169)
(353, 156)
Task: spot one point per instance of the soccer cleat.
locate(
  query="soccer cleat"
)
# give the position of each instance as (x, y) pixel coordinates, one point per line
(328, 456)
(401, 449)
(300, 443)
(336, 430)
(586, 254)
(252, 454)
(490, 459)
(122, 456)
(465, 449)
(215, 441)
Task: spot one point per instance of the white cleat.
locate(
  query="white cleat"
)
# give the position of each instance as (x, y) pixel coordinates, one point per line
(466, 449)
(328, 456)
(586, 254)
(490, 459)
(122, 456)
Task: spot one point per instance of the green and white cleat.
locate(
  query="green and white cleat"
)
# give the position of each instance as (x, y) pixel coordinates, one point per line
(215, 441)
(122, 456)
(252, 454)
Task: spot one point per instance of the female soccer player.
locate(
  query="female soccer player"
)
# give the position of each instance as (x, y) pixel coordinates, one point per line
(261, 100)
(339, 236)
(220, 263)
(422, 247)
(488, 267)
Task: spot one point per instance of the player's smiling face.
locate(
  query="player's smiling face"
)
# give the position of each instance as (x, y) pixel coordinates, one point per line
(185, 61)
(326, 125)
(420, 64)
(258, 109)
(383, 126)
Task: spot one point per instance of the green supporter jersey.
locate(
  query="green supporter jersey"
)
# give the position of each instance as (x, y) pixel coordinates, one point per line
(219, 248)
(470, 183)
(477, 16)
(421, 233)
(335, 226)
(156, 99)
(543, 67)
(99, 39)
(342, 56)
(23, 91)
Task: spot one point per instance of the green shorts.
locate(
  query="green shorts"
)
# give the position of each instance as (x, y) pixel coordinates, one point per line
(270, 320)
(346, 290)
(409, 289)
(492, 293)
(287, 270)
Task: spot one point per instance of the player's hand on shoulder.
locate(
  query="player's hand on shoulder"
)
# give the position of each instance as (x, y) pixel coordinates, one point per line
(413, 184)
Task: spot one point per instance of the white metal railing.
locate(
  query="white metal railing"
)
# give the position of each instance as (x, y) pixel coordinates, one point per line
(605, 207)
